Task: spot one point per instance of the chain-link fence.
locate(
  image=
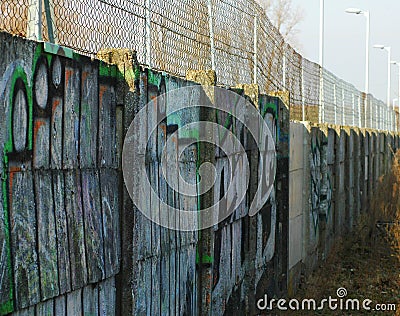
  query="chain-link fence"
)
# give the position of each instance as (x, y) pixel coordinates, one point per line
(233, 37)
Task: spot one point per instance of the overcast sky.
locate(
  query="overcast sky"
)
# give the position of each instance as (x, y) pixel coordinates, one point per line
(345, 40)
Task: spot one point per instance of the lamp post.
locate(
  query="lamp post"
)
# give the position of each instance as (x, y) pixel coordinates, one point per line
(321, 115)
(366, 14)
(398, 98)
(321, 33)
(388, 49)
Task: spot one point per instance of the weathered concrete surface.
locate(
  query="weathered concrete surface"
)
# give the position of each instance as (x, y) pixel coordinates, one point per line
(336, 168)
(59, 226)
(71, 240)
(223, 269)
(296, 193)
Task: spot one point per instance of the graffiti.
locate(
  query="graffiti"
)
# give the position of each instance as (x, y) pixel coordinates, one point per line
(232, 252)
(267, 218)
(315, 164)
(59, 207)
(321, 187)
(166, 260)
(15, 140)
(56, 205)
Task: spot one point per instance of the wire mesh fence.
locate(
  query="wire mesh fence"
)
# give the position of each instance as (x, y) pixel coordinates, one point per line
(235, 38)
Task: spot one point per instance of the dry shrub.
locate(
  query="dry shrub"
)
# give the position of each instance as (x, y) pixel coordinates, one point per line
(383, 219)
(395, 229)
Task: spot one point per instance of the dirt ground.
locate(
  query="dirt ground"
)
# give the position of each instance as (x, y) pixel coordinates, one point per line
(365, 271)
(367, 263)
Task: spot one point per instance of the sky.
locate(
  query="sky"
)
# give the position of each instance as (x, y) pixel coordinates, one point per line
(345, 37)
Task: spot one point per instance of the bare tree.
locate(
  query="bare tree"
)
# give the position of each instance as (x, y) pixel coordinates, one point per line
(285, 17)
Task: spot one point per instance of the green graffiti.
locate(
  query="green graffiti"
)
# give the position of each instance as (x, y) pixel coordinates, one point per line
(137, 73)
(61, 50)
(130, 74)
(205, 259)
(154, 78)
(107, 70)
(264, 108)
(75, 56)
(20, 74)
(175, 119)
(37, 54)
(8, 306)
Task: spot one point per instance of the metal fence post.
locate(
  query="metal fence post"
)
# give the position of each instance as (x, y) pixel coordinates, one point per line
(335, 101)
(284, 70)
(34, 30)
(378, 112)
(343, 117)
(387, 122)
(386, 127)
(365, 110)
(211, 27)
(383, 109)
(391, 119)
(359, 111)
(353, 108)
(370, 112)
(303, 110)
(321, 96)
(387, 118)
(51, 22)
(148, 33)
(383, 117)
(392, 112)
(255, 49)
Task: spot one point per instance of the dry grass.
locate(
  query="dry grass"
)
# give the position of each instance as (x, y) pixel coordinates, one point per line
(367, 263)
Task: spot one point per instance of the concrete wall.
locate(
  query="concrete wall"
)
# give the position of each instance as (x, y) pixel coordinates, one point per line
(59, 152)
(333, 173)
(72, 242)
(221, 269)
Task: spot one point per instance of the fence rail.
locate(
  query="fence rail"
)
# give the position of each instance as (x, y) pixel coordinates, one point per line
(235, 38)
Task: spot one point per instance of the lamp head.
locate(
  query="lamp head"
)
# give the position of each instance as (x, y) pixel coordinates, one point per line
(353, 10)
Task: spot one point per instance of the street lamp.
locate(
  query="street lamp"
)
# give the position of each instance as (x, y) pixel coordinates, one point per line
(387, 48)
(398, 64)
(398, 99)
(321, 33)
(366, 14)
(321, 115)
